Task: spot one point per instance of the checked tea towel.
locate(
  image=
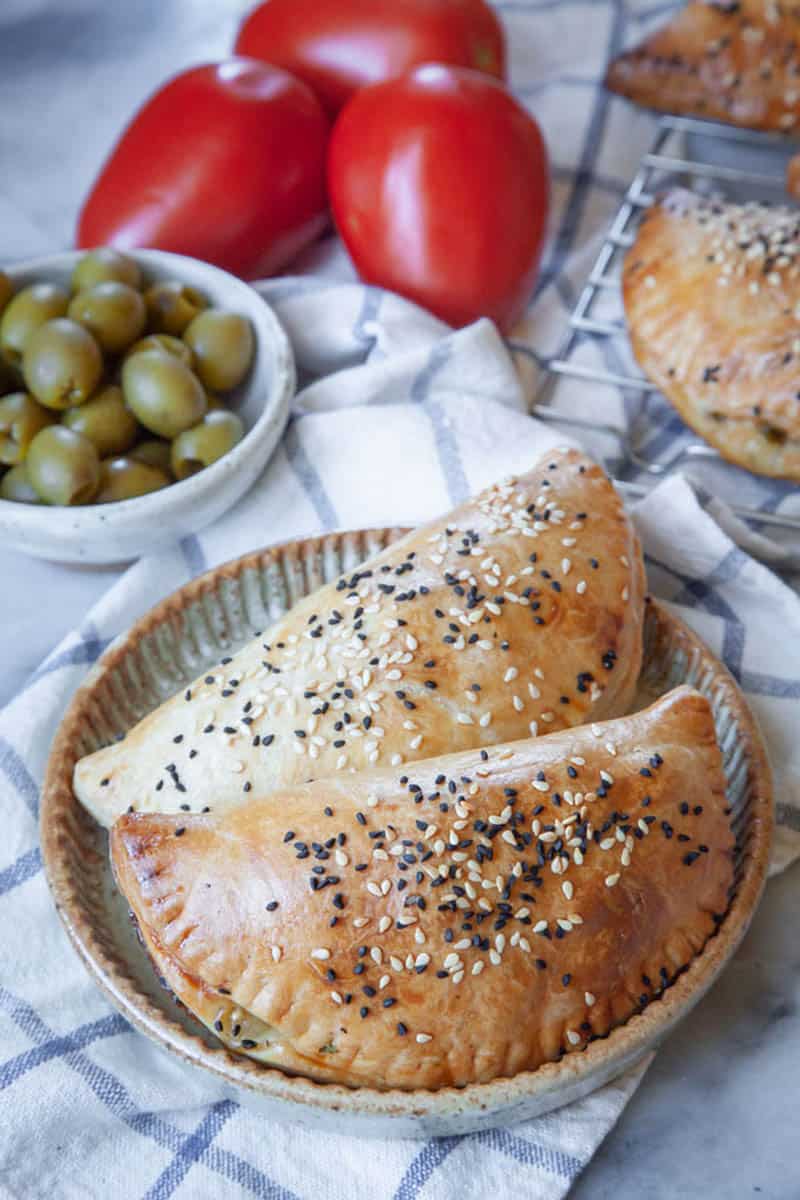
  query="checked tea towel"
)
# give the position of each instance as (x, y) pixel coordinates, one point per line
(398, 419)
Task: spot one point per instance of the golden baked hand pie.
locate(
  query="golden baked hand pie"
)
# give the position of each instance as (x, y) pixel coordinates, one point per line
(464, 918)
(736, 61)
(712, 300)
(793, 177)
(520, 612)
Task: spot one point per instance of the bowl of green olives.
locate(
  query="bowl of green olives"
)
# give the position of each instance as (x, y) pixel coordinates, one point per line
(141, 394)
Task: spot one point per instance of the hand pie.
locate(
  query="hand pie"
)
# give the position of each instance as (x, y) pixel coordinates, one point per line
(520, 612)
(464, 918)
(793, 177)
(736, 61)
(712, 299)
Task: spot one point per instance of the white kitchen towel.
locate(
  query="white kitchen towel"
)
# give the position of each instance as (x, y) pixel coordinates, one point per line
(89, 1108)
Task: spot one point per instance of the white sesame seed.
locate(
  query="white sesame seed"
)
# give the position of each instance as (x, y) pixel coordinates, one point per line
(567, 889)
(360, 922)
(573, 1038)
(422, 1038)
(321, 953)
(494, 958)
(589, 998)
(277, 953)
(612, 880)
(336, 998)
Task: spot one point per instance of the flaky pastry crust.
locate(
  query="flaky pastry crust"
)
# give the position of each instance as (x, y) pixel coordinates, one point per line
(518, 613)
(736, 61)
(712, 300)
(462, 919)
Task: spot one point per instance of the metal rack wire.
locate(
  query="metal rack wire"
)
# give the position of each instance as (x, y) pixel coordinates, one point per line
(693, 153)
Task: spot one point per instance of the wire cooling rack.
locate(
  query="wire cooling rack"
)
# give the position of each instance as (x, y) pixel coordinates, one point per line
(631, 426)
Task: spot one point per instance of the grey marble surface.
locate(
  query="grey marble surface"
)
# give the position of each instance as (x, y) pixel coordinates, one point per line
(716, 1116)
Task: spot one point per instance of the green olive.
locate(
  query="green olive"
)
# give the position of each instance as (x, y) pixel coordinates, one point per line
(114, 313)
(222, 343)
(172, 305)
(105, 265)
(23, 315)
(105, 421)
(163, 341)
(6, 290)
(199, 447)
(15, 485)
(21, 418)
(164, 395)
(63, 466)
(62, 364)
(154, 452)
(124, 478)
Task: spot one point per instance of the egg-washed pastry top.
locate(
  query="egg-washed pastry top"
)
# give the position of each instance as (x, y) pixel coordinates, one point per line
(712, 300)
(464, 918)
(736, 61)
(518, 613)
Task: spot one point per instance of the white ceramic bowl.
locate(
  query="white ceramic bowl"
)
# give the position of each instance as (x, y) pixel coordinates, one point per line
(103, 533)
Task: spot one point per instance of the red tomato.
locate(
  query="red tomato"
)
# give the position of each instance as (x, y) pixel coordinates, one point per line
(226, 163)
(339, 46)
(438, 185)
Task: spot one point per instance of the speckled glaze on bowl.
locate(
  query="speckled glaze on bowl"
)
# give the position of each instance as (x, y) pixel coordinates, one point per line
(214, 615)
(103, 533)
